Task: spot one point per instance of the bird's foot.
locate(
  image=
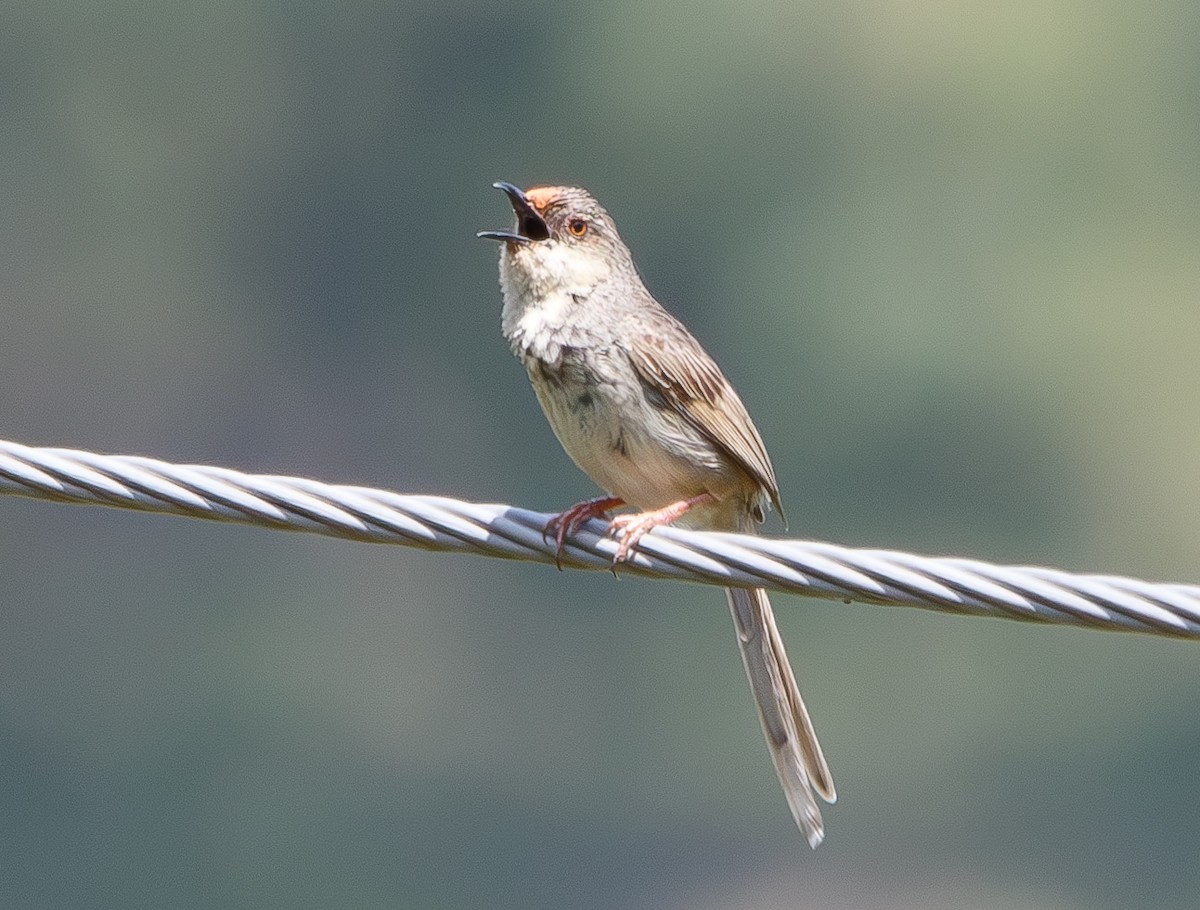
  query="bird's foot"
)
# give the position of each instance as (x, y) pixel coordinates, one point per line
(629, 529)
(564, 524)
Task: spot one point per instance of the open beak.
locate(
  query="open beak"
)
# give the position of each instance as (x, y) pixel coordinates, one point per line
(530, 225)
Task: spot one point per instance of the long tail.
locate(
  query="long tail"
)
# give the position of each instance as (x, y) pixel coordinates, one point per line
(790, 734)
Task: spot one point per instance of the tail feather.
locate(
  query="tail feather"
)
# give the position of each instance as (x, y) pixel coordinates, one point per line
(790, 735)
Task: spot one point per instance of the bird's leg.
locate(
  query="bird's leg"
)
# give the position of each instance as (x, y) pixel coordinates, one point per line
(564, 524)
(629, 529)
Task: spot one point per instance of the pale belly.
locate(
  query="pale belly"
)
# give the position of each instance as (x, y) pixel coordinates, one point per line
(632, 444)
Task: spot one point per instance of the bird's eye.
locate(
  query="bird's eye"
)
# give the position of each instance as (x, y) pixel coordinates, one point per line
(577, 226)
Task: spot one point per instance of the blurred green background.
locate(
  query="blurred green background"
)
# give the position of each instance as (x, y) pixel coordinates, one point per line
(949, 256)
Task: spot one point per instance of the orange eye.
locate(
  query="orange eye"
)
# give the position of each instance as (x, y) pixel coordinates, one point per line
(577, 226)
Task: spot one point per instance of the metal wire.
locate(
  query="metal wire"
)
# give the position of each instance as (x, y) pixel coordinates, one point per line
(808, 568)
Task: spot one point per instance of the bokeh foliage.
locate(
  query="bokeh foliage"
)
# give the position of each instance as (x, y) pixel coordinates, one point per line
(949, 254)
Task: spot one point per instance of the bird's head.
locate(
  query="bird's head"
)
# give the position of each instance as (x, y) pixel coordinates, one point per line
(563, 241)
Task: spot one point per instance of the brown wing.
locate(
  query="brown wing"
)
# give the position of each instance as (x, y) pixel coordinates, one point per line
(671, 361)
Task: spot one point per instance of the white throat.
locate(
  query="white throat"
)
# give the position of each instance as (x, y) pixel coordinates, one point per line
(544, 285)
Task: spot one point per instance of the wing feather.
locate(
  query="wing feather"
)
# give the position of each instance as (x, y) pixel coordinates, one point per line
(672, 362)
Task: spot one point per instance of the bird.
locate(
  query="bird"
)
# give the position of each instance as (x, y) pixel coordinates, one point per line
(647, 414)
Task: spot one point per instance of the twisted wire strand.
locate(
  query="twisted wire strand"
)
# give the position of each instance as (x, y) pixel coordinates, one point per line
(807, 568)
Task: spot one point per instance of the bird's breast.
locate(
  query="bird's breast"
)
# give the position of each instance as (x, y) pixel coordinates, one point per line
(624, 439)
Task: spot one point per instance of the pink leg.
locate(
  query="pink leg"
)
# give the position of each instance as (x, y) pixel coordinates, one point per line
(629, 529)
(564, 524)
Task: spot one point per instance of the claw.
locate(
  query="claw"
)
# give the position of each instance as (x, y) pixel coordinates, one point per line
(564, 524)
(629, 529)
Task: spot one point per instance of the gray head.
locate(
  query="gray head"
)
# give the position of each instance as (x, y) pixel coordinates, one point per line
(562, 237)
